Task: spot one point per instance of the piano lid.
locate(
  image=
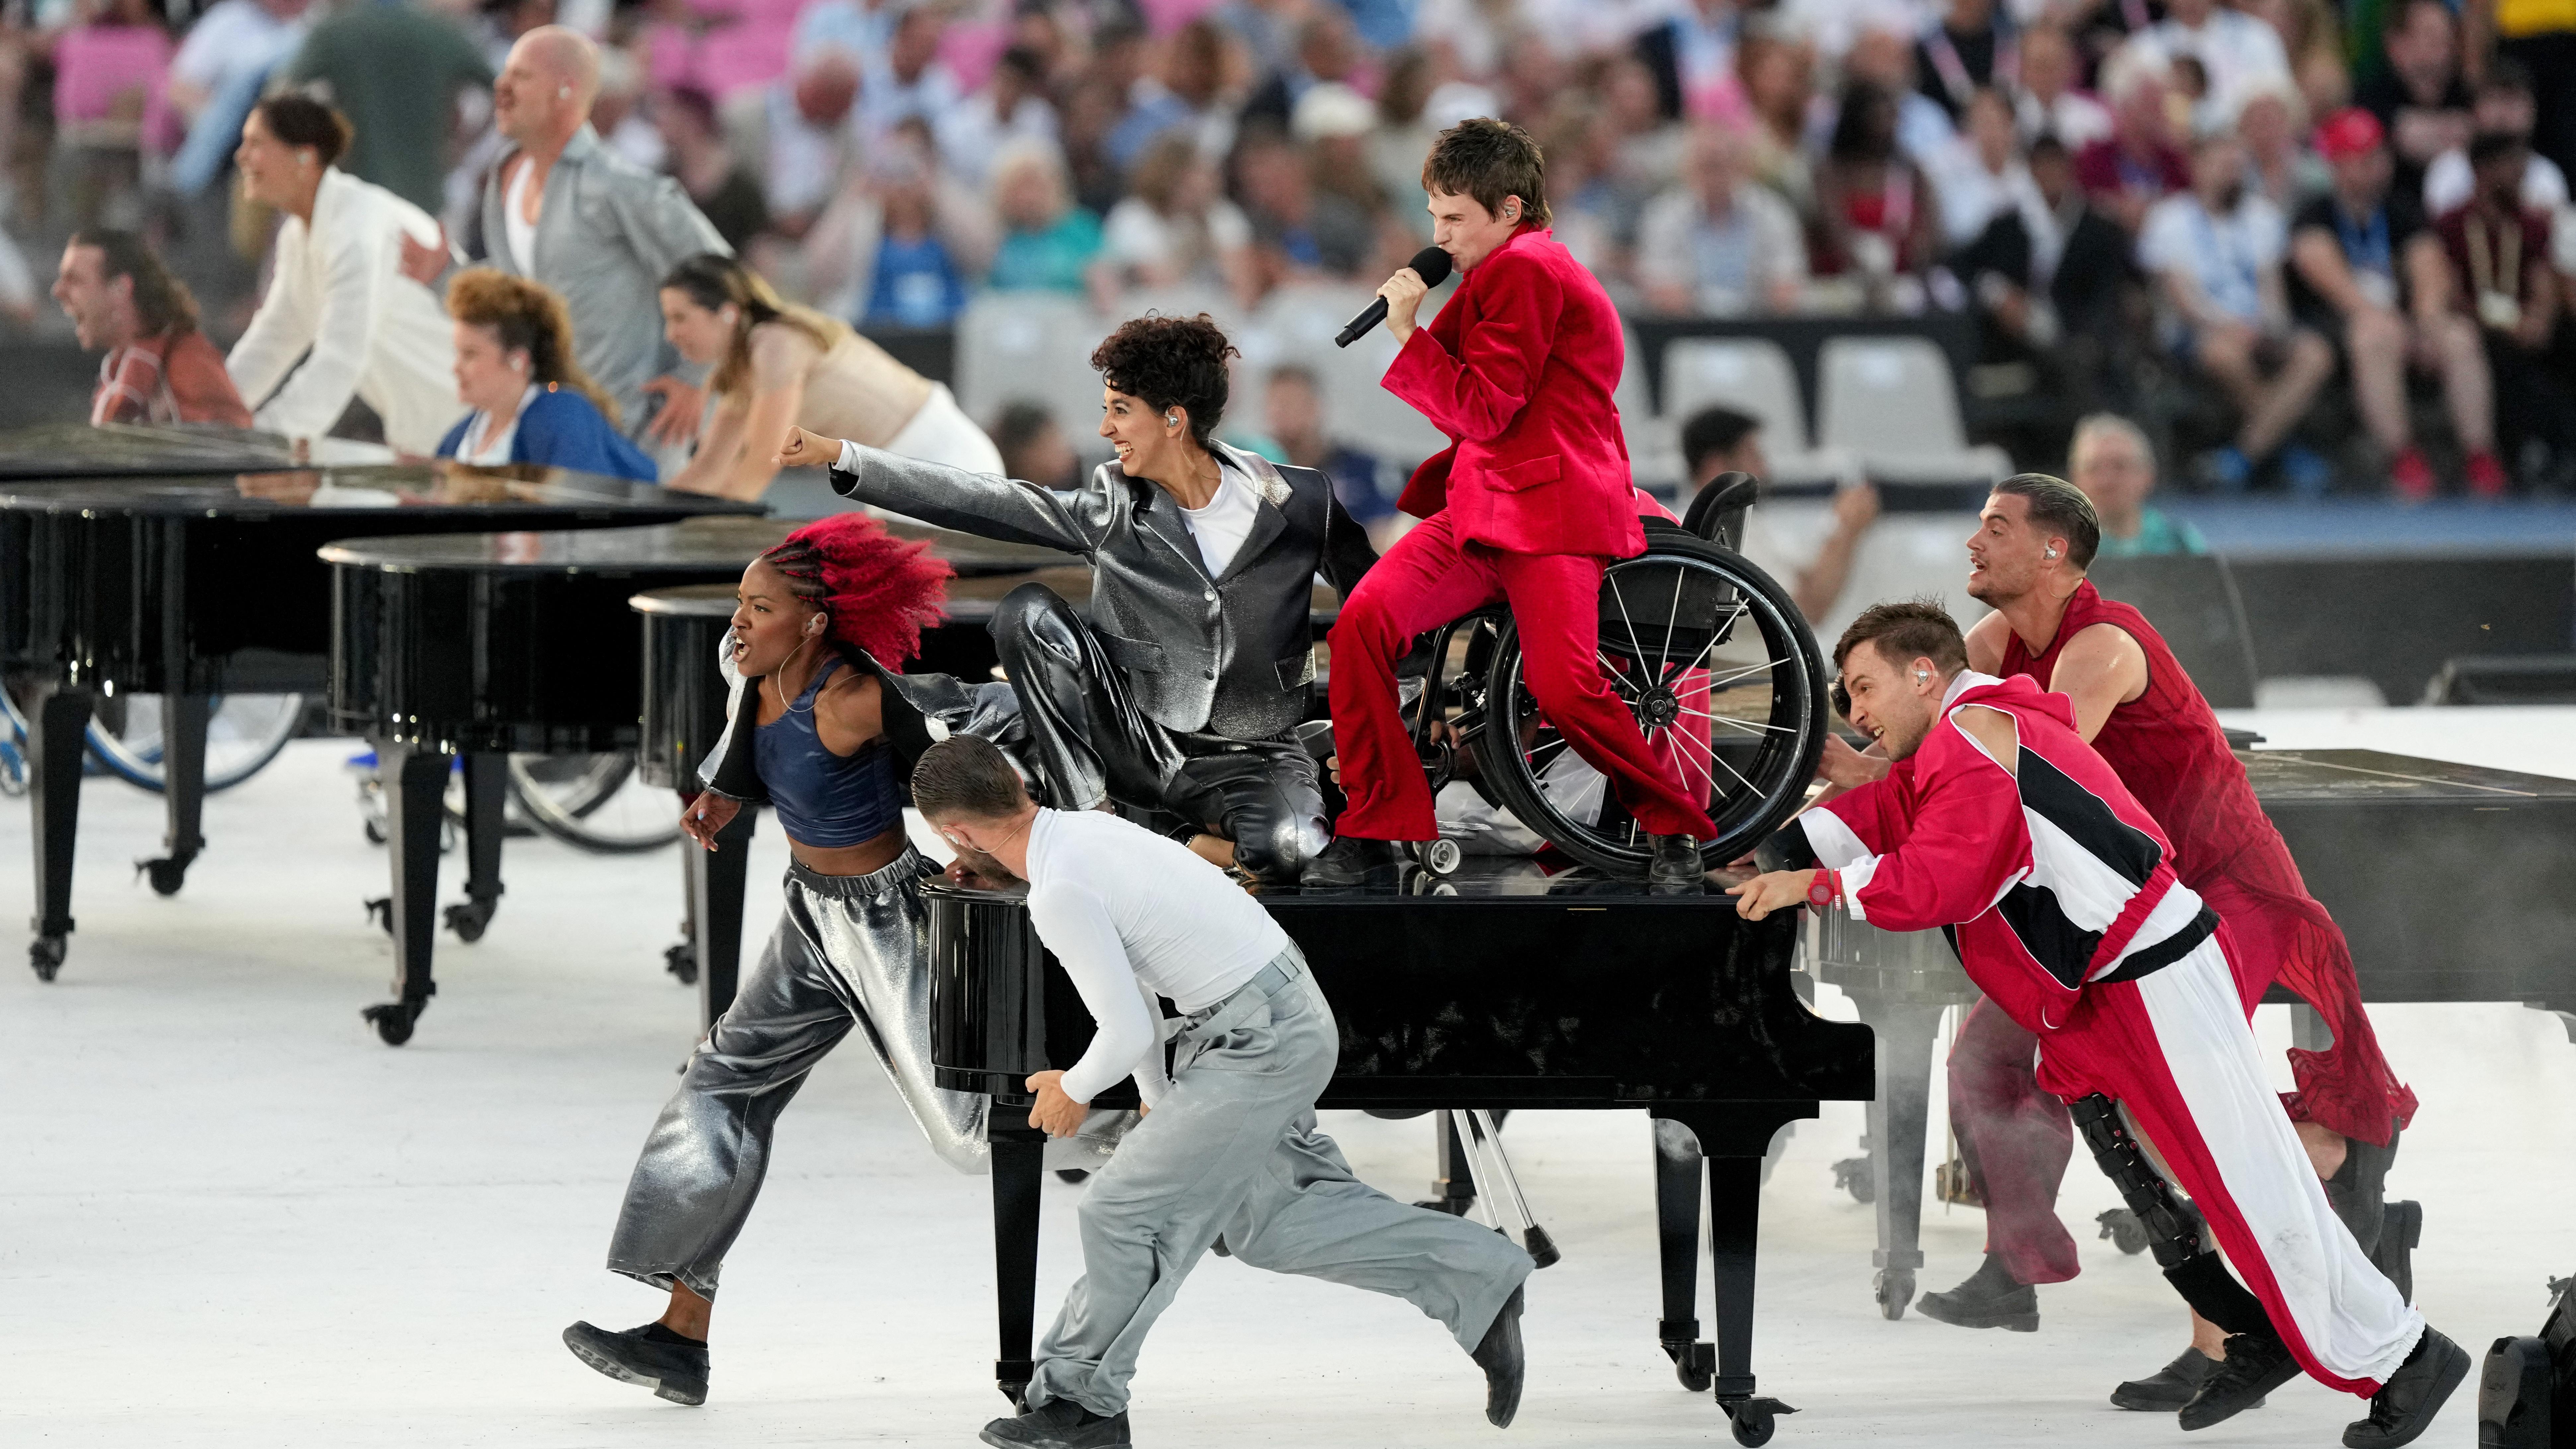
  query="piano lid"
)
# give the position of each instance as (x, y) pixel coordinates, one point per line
(499, 492)
(2299, 777)
(62, 451)
(1478, 878)
(699, 543)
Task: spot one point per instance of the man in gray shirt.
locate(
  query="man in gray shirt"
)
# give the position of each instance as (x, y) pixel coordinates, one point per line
(1228, 1153)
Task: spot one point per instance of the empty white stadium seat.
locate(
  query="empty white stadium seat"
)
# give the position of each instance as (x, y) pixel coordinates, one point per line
(1892, 403)
(1036, 347)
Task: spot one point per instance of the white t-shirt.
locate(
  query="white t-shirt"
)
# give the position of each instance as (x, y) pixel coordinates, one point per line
(486, 448)
(1133, 915)
(514, 221)
(2238, 51)
(2448, 182)
(1222, 526)
(2226, 255)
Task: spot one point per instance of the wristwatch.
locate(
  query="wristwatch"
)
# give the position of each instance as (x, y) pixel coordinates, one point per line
(1823, 890)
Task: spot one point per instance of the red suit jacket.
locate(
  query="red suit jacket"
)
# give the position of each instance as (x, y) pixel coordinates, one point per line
(1518, 370)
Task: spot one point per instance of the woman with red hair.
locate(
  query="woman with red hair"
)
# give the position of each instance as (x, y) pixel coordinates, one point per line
(826, 732)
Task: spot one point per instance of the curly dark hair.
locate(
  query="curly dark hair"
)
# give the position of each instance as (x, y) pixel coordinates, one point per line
(1170, 362)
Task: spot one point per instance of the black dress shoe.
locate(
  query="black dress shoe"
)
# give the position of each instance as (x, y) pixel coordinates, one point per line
(673, 1367)
(1675, 869)
(2360, 1186)
(1499, 1355)
(2169, 1388)
(1061, 1424)
(2405, 1405)
(1989, 1298)
(2395, 1253)
(1353, 861)
(2256, 1364)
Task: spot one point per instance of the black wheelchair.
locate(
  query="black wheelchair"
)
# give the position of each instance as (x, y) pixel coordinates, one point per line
(1709, 653)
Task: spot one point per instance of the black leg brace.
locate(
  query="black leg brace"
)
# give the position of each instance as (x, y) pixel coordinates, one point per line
(2173, 1229)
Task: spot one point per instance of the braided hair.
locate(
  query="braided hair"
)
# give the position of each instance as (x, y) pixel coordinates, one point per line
(876, 591)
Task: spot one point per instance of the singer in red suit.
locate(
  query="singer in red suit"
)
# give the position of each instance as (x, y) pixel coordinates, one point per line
(1527, 503)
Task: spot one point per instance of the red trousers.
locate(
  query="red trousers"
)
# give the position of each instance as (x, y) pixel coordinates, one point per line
(1430, 578)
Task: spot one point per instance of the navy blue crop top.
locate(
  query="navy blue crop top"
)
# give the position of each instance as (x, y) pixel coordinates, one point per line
(824, 799)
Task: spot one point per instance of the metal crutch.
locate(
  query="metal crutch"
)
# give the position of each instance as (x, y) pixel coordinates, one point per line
(1493, 1166)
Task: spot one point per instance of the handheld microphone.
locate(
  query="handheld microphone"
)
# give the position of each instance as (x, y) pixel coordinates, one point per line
(1430, 263)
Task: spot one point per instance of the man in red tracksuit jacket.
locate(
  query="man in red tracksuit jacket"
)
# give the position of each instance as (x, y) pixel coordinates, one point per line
(1527, 503)
(1998, 821)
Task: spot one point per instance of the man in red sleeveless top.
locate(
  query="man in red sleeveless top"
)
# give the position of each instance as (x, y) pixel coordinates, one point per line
(2140, 710)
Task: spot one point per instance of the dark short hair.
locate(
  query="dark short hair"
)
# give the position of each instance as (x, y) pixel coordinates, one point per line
(1489, 160)
(1297, 372)
(2046, 143)
(2488, 146)
(968, 776)
(1714, 430)
(2506, 76)
(2060, 508)
(1020, 424)
(300, 120)
(1907, 629)
(162, 303)
(1170, 362)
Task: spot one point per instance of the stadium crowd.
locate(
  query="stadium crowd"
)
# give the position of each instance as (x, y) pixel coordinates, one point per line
(2313, 247)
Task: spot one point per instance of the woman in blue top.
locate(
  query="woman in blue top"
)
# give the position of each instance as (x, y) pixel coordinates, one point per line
(826, 734)
(532, 402)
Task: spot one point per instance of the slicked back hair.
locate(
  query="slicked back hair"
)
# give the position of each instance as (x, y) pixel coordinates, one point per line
(967, 776)
(2060, 509)
(1906, 629)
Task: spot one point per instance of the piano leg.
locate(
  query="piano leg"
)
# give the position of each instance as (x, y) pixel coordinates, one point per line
(487, 794)
(54, 750)
(716, 881)
(1734, 1141)
(1677, 1226)
(1897, 1120)
(1455, 1182)
(415, 805)
(183, 789)
(1019, 1169)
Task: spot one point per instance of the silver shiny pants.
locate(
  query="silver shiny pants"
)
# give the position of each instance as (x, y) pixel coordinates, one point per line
(849, 951)
(1233, 1149)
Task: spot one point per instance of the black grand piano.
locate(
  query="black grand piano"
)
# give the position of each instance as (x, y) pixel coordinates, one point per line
(2368, 831)
(490, 645)
(1522, 990)
(191, 587)
(64, 451)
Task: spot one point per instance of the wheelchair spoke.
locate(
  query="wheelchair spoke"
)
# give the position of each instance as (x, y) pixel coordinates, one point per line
(1672, 616)
(1635, 650)
(1704, 776)
(1532, 754)
(1748, 728)
(1633, 686)
(1719, 681)
(1720, 762)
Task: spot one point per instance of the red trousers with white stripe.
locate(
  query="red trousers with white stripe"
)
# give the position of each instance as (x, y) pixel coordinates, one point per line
(1429, 578)
(2175, 1050)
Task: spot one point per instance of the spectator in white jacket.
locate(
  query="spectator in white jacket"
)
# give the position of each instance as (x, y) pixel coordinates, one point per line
(338, 299)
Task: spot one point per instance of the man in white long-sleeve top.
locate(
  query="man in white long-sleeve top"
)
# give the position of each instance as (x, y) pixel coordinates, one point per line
(1228, 1148)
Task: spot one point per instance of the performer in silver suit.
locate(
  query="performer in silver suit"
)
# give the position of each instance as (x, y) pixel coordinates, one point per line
(826, 733)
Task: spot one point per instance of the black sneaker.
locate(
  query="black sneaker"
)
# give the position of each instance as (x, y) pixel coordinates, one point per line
(2360, 1186)
(2398, 1239)
(1989, 1298)
(1353, 861)
(2169, 1388)
(1061, 1424)
(1675, 869)
(2256, 1364)
(2405, 1405)
(673, 1367)
(1499, 1355)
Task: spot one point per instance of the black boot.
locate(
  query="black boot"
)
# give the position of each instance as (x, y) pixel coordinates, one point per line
(2405, 1405)
(1990, 1298)
(2256, 1364)
(1499, 1355)
(673, 1367)
(1352, 861)
(2360, 1186)
(1061, 1424)
(2395, 1253)
(2169, 1388)
(1675, 868)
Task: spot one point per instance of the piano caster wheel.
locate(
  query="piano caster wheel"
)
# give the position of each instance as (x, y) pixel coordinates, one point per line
(1424, 883)
(1695, 1364)
(682, 961)
(45, 953)
(1852, 1175)
(2124, 1230)
(1440, 857)
(1754, 1420)
(167, 874)
(468, 918)
(393, 1021)
(380, 909)
(1895, 1289)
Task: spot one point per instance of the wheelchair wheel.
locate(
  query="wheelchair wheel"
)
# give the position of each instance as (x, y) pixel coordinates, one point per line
(243, 733)
(1718, 669)
(594, 802)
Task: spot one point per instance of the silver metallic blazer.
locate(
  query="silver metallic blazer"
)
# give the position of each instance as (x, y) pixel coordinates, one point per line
(1232, 655)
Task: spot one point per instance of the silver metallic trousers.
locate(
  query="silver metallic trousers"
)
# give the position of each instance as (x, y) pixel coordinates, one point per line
(1232, 1149)
(849, 951)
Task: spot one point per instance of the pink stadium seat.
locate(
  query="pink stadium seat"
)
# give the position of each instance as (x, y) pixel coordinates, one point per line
(670, 56)
(1163, 17)
(969, 50)
(108, 72)
(739, 57)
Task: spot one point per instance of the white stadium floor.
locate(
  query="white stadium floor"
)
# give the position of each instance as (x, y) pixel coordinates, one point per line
(228, 1215)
